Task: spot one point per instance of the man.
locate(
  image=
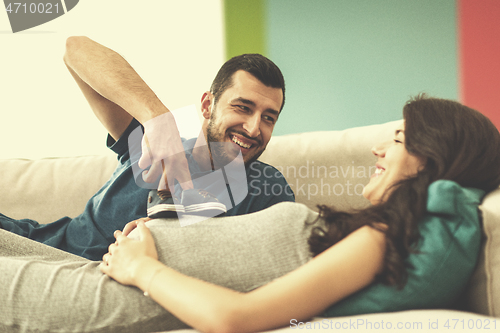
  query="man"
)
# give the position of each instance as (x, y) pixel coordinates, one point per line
(239, 111)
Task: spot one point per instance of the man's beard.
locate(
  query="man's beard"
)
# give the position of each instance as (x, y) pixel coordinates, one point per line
(219, 148)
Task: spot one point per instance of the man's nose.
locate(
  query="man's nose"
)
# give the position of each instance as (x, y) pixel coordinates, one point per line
(252, 125)
(380, 149)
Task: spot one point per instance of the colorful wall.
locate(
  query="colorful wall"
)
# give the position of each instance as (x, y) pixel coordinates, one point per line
(352, 63)
(479, 52)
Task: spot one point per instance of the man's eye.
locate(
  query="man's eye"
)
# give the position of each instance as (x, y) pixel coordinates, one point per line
(398, 141)
(244, 108)
(270, 119)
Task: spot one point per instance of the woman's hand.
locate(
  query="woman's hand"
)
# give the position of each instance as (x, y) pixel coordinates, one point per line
(123, 260)
(132, 225)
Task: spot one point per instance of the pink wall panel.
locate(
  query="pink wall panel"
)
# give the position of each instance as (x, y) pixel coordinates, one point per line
(479, 55)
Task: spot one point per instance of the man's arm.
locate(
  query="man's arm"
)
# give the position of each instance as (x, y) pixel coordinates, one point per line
(116, 94)
(114, 90)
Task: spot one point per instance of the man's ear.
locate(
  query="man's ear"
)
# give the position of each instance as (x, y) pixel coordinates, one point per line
(206, 104)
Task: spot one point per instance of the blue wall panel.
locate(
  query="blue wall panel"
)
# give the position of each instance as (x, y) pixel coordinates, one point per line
(355, 62)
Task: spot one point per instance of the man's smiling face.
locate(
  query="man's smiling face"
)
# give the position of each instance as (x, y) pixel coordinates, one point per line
(242, 120)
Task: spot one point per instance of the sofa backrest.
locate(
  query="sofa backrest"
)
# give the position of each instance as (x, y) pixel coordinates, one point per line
(321, 167)
(50, 188)
(329, 167)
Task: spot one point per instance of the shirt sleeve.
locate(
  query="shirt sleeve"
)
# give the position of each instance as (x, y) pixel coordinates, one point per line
(121, 146)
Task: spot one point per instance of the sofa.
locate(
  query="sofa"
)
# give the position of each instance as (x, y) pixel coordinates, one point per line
(329, 167)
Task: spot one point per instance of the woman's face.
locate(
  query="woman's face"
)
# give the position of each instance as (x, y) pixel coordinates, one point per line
(394, 164)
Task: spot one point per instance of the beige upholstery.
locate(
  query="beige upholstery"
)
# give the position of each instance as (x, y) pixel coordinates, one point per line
(328, 167)
(322, 168)
(484, 291)
(48, 189)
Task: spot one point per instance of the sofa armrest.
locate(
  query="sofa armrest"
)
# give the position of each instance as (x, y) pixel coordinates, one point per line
(483, 292)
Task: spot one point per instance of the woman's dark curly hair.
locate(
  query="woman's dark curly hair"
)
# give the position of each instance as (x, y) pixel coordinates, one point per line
(457, 143)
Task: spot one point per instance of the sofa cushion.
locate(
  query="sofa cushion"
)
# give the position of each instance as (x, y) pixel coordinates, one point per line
(446, 258)
(421, 321)
(47, 189)
(485, 283)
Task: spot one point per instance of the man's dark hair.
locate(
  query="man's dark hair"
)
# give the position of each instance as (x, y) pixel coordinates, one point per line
(259, 66)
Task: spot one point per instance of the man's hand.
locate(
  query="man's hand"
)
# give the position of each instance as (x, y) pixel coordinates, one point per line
(163, 152)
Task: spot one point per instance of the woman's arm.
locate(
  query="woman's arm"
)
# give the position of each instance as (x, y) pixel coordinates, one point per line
(305, 292)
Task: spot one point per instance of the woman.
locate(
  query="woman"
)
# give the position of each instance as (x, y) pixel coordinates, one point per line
(439, 139)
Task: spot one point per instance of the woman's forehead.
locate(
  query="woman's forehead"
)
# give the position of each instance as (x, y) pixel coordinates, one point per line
(401, 126)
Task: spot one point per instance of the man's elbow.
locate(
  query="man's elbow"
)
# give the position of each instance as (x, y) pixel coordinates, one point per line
(73, 44)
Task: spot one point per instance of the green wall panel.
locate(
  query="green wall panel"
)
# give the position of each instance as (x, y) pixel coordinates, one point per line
(245, 27)
(355, 62)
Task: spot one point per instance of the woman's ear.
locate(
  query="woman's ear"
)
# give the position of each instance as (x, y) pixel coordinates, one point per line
(206, 104)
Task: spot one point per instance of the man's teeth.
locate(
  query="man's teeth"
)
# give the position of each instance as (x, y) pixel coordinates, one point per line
(379, 171)
(239, 143)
